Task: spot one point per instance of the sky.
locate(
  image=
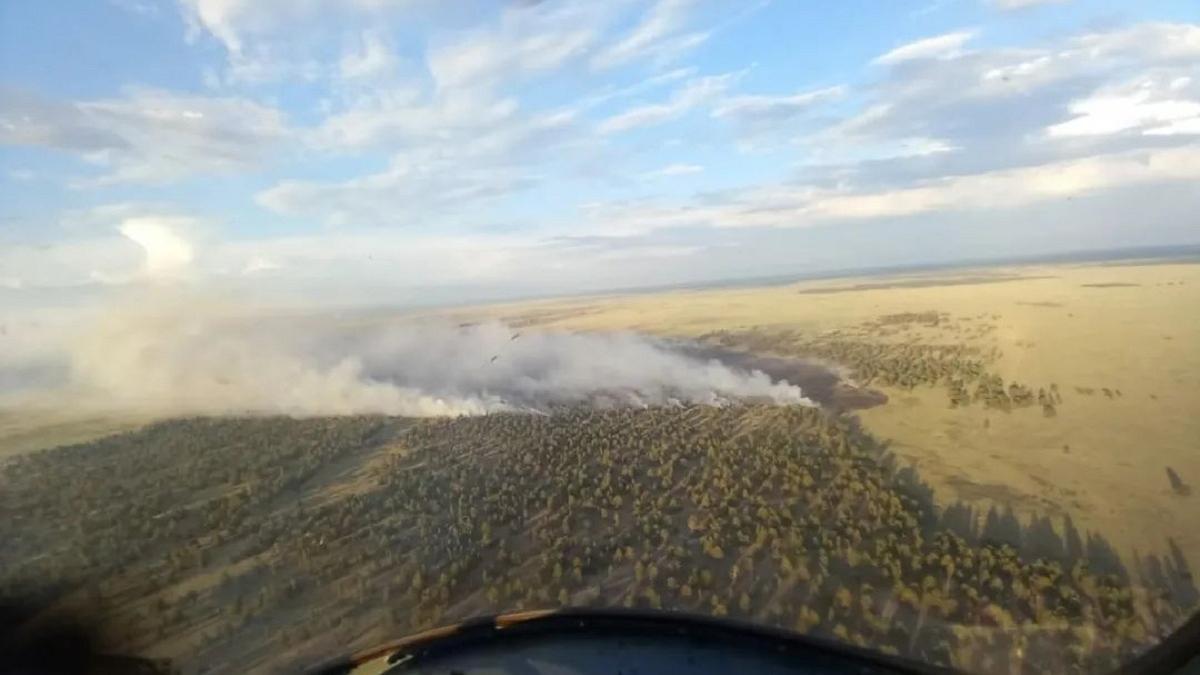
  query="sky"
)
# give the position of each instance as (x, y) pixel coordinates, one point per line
(422, 151)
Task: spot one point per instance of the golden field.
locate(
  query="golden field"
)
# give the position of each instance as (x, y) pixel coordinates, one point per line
(1102, 460)
(26, 430)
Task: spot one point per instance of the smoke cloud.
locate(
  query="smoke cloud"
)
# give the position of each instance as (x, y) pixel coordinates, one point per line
(205, 358)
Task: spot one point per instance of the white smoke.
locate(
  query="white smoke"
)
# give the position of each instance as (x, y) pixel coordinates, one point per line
(203, 358)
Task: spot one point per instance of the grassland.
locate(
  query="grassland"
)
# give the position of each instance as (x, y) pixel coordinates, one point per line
(1041, 408)
(26, 430)
(1101, 458)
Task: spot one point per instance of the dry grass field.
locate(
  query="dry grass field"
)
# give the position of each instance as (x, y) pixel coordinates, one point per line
(27, 430)
(1131, 328)
(256, 544)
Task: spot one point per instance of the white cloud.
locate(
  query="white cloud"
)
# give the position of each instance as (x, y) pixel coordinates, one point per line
(1180, 127)
(656, 34)
(114, 245)
(696, 92)
(782, 206)
(993, 106)
(139, 7)
(132, 247)
(441, 173)
(167, 252)
(648, 84)
(1008, 5)
(953, 127)
(944, 46)
(463, 139)
(1103, 114)
(148, 135)
(108, 258)
(372, 58)
(403, 195)
(771, 121)
(29, 119)
(674, 170)
(1011, 188)
(231, 22)
(395, 117)
(774, 108)
(1021, 70)
(526, 42)
(271, 40)
(823, 154)
(1149, 41)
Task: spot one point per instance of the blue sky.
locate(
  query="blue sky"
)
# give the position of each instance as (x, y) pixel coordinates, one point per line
(413, 149)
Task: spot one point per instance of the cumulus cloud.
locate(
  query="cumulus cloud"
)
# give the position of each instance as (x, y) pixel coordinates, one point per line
(346, 265)
(112, 245)
(167, 252)
(989, 108)
(147, 135)
(461, 122)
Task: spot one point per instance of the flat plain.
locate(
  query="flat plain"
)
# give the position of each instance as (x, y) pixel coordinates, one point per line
(1130, 328)
(1001, 480)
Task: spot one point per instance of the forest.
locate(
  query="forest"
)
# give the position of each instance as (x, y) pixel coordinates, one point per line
(270, 543)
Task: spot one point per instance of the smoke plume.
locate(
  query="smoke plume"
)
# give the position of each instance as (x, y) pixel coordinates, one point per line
(209, 359)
